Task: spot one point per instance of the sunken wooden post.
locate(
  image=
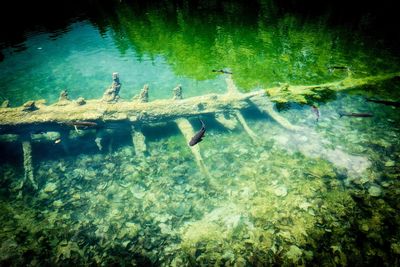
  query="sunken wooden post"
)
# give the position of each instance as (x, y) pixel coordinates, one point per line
(28, 166)
(139, 141)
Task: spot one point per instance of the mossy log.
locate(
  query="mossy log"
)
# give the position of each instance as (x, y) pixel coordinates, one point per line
(303, 94)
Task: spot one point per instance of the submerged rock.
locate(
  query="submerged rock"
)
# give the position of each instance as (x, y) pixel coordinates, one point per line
(390, 163)
(280, 191)
(294, 253)
(375, 191)
(50, 187)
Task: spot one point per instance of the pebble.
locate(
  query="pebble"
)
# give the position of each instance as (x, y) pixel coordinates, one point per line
(389, 163)
(280, 191)
(375, 191)
(50, 187)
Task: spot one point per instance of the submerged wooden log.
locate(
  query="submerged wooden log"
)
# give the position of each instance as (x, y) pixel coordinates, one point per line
(169, 109)
(96, 110)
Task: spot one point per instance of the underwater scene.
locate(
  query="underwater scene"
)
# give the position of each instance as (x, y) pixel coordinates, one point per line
(200, 133)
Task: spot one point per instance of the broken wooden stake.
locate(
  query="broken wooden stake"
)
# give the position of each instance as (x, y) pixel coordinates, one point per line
(139, 142)
(28, 166)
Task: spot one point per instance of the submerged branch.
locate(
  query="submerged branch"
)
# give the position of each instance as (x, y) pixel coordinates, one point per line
(304, 93)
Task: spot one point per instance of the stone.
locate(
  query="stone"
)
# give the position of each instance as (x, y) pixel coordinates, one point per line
(375, 191)
(50, 187)
(280, 191)
(390, 163)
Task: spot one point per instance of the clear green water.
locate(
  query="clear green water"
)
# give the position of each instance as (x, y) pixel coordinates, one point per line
(325, 196)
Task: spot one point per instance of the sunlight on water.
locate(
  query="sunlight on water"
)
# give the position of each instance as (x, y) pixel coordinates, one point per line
(286, 183)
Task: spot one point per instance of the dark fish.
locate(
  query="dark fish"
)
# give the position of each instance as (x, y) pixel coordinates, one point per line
(222, 71)
(316, 111)
(352, 114)
(385, 102)
(198, 137)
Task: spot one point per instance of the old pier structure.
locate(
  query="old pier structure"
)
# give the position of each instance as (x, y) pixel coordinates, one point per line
(16, 122)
